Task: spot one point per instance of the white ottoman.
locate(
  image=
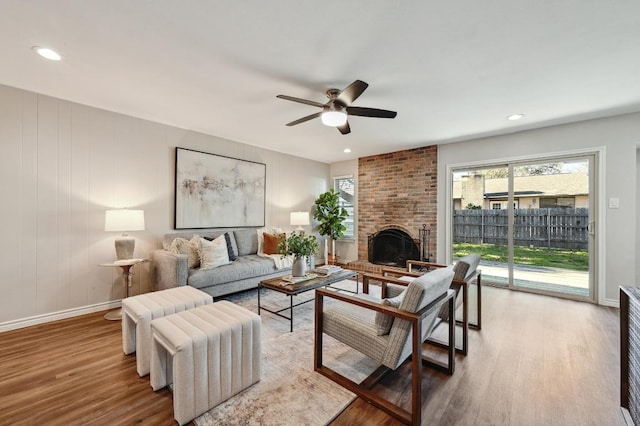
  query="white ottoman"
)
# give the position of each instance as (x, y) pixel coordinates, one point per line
(209, 353)
(138, 311)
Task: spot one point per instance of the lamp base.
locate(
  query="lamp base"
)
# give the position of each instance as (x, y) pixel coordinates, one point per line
(125, 247)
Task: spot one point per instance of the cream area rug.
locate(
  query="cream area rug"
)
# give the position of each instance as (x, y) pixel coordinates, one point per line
(289, 391)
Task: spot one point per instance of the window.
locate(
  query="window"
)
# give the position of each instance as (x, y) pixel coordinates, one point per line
(345, 187)
(496, 206)
(562, 202)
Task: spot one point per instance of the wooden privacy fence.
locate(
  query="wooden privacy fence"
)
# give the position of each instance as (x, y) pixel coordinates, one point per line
(560, 228)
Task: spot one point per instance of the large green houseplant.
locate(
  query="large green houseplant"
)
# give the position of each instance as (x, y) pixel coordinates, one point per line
(300, 246)
(328, 211)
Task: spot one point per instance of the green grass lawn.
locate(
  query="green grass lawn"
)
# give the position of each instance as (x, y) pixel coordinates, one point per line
(577, 260)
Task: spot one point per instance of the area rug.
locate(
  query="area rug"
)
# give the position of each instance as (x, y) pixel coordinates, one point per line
(290, 392)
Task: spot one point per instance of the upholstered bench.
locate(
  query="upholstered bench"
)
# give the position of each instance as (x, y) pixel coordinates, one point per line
(138, 311)
(209, 353)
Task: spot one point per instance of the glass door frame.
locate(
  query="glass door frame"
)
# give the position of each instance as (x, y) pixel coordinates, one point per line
(596, 216)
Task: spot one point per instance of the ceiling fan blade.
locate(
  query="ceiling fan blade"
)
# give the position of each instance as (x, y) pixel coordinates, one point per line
(345, 129)
(352, 92)
(302, 101)
(371, 112)
(303, 119)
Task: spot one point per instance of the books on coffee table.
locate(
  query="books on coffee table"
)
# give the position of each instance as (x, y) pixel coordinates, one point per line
(290, 279)
(326, 270)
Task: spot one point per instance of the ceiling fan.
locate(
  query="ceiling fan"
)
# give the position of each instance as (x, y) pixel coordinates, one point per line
(334, 113)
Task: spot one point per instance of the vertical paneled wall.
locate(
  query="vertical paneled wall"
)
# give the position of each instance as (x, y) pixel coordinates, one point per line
(63, 164)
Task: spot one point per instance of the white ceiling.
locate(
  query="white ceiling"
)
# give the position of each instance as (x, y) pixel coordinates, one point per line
(453, 70)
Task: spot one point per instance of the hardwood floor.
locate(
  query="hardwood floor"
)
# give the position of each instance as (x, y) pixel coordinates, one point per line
(537, 361)
(73, 372)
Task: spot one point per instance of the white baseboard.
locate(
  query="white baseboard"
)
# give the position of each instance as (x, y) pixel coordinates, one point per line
(54, 316)
(613, 303)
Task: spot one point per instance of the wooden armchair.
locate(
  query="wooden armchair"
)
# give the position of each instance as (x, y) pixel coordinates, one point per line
(388, 332)
(465, 271)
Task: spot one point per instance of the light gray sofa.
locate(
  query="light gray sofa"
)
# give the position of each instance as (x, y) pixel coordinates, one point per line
(171, 270)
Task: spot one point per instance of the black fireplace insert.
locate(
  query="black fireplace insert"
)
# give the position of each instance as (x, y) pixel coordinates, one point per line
(393, 247)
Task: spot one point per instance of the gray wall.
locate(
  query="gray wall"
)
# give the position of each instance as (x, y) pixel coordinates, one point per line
(616, 137)
(63, 164)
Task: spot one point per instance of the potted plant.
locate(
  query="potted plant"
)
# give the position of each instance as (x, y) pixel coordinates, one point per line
(300, 246)
(330, 214)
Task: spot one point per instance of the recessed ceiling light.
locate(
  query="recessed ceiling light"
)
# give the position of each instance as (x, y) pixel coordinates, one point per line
(514, 117)
(47, 53)
(347, 150)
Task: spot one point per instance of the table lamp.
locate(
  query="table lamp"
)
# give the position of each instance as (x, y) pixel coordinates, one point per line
(299, 218)
(124, 220)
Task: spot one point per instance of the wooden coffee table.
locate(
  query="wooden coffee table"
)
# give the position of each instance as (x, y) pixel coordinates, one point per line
(282, 286)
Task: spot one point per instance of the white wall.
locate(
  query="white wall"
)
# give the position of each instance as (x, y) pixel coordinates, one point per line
(347, 249)
(63, 164)
(618, 139)
(637, 281)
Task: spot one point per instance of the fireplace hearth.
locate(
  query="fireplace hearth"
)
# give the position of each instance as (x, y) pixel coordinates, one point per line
(393, 247)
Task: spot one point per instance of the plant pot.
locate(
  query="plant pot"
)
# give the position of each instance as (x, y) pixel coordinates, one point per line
(299, 268)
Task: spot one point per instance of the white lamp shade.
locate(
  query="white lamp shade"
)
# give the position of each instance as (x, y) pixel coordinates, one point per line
(299, 218)
(333, 118)
(124, 220)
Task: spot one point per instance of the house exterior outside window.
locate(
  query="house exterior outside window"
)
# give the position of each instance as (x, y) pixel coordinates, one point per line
(345, 186)
(553, 202)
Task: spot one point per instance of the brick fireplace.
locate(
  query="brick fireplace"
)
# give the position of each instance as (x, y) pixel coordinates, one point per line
(397, 191)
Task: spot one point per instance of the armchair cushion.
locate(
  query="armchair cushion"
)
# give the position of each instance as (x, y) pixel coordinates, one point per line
(384, 321)
(420, 292)
(460, 270)
(473, 260)
(355, 326)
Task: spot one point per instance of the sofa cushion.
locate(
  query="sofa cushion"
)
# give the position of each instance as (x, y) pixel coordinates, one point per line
(244, 267)
(247, 241)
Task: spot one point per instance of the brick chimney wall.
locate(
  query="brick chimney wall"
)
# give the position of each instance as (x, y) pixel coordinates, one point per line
(398, 189)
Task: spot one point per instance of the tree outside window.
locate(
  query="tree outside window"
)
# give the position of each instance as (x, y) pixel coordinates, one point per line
(345, 187)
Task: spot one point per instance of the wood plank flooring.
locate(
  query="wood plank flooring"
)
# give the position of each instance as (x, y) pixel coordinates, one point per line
(537, 361)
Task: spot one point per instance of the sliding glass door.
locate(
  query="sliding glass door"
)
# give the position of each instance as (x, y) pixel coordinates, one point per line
(531, 222)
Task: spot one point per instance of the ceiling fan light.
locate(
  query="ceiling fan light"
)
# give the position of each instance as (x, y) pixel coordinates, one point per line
(333, 118)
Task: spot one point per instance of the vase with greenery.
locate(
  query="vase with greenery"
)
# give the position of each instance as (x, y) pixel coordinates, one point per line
(300, 246)
(331, 215)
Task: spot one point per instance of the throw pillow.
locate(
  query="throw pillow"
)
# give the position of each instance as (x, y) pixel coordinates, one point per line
(270, 245)
(384, 321)
(186, 247)
(261, 232)
(213, 253)
(228, 238)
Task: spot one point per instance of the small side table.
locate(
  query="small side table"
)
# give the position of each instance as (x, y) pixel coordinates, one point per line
(127, 272)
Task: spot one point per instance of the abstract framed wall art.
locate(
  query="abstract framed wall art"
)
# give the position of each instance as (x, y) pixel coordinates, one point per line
(213, 191)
